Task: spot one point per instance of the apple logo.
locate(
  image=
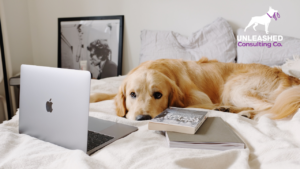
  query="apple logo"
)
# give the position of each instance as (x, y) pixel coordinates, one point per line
(49, 106)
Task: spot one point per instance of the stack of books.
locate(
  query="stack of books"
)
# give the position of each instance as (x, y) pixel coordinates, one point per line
(187, 128)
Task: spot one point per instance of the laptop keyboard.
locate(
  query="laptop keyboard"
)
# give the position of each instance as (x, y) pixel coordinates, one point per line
(96, 139)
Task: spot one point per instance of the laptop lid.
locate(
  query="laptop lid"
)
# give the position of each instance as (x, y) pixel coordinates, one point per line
(54, 105)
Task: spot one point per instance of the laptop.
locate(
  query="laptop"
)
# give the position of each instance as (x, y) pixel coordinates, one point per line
(54, 107)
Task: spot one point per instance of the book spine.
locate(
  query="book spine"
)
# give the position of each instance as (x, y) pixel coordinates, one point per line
(166, 127)
(200, 124)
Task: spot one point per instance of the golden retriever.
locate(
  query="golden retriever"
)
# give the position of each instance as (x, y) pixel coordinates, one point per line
(248, 89)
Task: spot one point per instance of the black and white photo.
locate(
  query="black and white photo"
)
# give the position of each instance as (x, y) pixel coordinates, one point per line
(91, 43)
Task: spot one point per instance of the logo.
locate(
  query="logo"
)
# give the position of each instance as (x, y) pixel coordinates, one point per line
(263, 20)
(261, 40)
(49, 106)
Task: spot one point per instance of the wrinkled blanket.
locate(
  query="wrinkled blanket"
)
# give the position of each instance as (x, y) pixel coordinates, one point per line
(270, 144)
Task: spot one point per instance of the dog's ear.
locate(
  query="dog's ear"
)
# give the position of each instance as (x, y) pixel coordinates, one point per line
(120, 100)
(176, 97)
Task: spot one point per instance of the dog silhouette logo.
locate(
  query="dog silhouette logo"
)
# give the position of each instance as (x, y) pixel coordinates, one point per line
(264, 20)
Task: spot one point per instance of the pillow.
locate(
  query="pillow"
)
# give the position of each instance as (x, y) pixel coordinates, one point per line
(215, 41)
(273, 55)
(292, 67)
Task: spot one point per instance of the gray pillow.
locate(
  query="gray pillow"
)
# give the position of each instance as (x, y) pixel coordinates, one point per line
(265, 55)
(215, 41)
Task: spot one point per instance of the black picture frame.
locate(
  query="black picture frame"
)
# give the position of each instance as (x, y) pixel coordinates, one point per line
(99, 44)
(7, 96)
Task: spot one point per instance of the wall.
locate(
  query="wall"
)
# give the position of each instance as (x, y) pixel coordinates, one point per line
(179, 15)
(18, 30)
(16, 38)
(43, 18)
(187, 17)
(183, 16)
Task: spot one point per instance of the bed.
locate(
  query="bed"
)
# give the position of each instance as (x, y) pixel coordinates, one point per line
(269, 143)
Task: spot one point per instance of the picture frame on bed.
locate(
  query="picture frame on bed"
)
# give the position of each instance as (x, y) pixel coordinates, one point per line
(91, 43)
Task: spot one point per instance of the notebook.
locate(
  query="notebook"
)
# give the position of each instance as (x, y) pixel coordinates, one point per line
(214, 134)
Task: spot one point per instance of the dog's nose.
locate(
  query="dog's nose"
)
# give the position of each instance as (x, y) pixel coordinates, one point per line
(143, 117)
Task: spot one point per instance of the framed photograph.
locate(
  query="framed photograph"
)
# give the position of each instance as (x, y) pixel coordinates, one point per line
(91, 43)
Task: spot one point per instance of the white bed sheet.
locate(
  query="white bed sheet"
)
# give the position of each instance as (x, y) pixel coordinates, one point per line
(270, 144)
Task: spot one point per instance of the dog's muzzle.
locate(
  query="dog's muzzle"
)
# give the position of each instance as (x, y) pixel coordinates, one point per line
(143, 117)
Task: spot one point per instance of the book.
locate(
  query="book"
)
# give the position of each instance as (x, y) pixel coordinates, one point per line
(14, 81)
(214, 134)
(179, 120)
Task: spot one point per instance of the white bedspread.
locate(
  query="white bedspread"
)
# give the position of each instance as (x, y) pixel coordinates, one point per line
(270, 144)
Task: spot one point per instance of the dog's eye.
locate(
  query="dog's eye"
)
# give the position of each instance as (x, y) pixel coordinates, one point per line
(157, 95)
(133, 95)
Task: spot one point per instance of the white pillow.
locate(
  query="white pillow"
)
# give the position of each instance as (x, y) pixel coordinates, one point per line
(292, 67)
(215, 41)
(264, 55)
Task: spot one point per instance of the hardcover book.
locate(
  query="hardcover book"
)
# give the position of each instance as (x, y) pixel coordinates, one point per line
(178, 120)
(214, 134)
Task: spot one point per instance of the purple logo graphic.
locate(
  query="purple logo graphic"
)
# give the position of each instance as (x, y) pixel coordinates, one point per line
(274, 16)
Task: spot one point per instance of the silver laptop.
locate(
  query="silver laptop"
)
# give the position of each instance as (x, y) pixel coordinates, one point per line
(54, 107)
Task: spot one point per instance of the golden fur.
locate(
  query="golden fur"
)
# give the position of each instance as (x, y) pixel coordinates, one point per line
(247, 89)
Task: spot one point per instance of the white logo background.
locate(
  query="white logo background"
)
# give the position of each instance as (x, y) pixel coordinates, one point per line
(263, 20)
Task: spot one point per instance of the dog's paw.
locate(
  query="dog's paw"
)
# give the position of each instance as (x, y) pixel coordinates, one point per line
(93, 98)
(223, 109)
(246, 114)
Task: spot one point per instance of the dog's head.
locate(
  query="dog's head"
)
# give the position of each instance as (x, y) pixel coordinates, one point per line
(146, 93)
(272, 11)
